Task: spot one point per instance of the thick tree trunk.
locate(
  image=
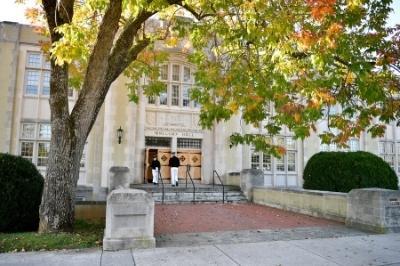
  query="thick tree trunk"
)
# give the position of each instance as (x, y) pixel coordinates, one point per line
(70, 130)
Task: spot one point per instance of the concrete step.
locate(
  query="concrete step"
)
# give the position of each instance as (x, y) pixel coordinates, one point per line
(211, 196)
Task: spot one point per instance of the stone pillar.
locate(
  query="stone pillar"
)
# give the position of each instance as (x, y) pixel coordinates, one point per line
(207, 156)
(95, 153)
(250, 178)
(119, 178)
(374, 209)
(140, 144)
(129, 220)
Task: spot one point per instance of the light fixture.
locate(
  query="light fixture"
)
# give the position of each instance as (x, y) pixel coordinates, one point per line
(120, 133)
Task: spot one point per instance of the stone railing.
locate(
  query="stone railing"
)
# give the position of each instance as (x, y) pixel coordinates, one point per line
(370, 209)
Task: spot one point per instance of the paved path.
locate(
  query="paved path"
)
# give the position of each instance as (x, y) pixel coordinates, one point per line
(192, 218)
(353, 250)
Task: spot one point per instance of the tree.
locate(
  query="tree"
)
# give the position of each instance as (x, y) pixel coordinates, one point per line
(301, 56)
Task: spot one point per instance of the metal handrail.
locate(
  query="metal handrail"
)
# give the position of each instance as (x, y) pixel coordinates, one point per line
(223, 187)
(194, 189)
(162, 185)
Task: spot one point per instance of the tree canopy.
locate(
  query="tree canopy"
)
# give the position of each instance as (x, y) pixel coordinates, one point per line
(301, 57)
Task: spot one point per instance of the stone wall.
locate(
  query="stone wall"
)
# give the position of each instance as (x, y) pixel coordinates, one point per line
(330, 205)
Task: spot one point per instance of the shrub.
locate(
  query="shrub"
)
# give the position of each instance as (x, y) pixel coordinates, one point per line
(344, 171)
(21, 190)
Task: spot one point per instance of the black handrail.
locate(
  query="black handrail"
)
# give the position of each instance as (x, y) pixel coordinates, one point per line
(194, 189)
(162, 186)
(223, 187)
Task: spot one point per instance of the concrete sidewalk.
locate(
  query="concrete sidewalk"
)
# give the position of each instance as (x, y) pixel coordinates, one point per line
(352, 250)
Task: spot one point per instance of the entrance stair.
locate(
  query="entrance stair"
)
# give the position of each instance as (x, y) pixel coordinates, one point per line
(184, 194)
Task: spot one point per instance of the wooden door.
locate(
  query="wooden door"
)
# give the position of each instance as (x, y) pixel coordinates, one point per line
(163, 156)
(192, 158)
(150, 153)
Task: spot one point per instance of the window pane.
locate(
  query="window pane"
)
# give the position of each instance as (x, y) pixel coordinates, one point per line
(390, 147)
(164, 72)
(43, 153)
(291, 161)
(175, 95)
(151, 100)
(324, 147)
(280, 141)
(290, 143)
(44, 131)
(267, 162)
(46, 63)
(332, 147)
(280, 164)
(158, 141)
(189, 143)
(381, 147)
(255, 160)
(175, 72)
(164, 97)
(32, 81)
(46, 83)
(28, 131)
(185, 96)
(186, 74)
(33, 60)
(354, 145)
(27, 150)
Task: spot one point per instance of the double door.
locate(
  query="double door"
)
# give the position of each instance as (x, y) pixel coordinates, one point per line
(186, 157)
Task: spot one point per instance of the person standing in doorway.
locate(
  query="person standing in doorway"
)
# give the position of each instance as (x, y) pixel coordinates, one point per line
(155, 169)
(174, 164)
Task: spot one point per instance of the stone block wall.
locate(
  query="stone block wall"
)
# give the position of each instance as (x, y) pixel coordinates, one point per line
(330, 205)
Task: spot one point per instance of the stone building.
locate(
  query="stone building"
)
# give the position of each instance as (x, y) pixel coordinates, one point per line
(160, 125)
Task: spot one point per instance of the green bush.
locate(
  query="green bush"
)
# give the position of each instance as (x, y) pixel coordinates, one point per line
(344, 171)
(21, 187)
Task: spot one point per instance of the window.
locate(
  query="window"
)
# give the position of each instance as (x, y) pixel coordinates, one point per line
(27, 150)
(386, 149)
(267, 159)
(164, 72)
(291, 161)
(43, 153)
(151, 100)
(44, 131)
(33, 60)
(354, 145)
(175, 72)
(280, 164)
(255, 159)
(186, 74)
(189, 143)
(46, 63)
(185, 96)
(164, 97)
(28, 131)
(158, 141)
(32, 82)
(46, 83)
(175, 95)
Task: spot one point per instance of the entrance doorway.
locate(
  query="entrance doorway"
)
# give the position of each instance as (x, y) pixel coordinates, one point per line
(186, 157)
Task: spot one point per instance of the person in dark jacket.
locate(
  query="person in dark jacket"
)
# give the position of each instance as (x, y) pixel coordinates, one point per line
(155, 168)
(174, 164)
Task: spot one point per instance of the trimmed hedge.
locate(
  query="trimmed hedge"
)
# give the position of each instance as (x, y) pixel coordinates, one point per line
(21, 187)
(344, 171)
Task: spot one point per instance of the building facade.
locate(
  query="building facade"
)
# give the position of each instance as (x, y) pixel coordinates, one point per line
(155, 126)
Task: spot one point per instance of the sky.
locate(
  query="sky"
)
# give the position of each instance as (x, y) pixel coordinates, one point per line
(9, 11)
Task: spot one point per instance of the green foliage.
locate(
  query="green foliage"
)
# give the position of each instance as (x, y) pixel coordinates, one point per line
(85, 235)
(344, 171)
(21, 190)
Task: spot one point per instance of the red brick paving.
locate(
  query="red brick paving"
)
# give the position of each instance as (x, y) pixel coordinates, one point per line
(190, 218)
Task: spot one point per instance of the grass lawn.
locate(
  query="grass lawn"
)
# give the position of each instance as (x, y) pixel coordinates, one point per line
(85, 235)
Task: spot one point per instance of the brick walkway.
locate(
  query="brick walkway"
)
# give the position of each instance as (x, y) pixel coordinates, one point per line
(191, 218)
